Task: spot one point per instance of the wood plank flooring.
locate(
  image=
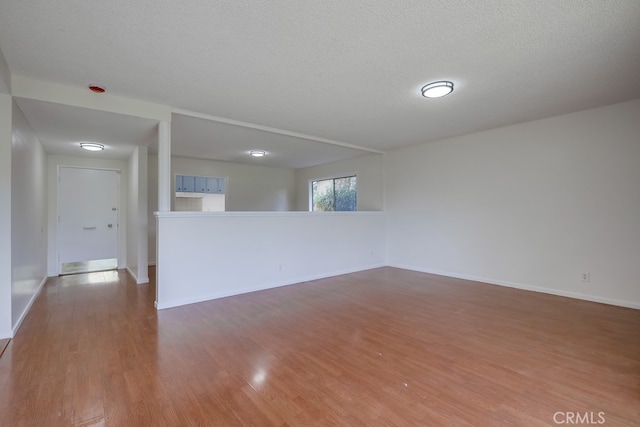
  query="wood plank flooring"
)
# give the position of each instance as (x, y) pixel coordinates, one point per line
(380, 347)
(3, 344)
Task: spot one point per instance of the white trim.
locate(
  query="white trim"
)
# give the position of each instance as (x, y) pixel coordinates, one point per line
(133, 276)
(574, 295)
(139, 280)
(297, 281)
(191, 214)
(28, 307)
(272, 130)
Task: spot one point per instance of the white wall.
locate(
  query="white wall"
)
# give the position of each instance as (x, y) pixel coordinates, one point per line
(132, 214)
(152, 205)
(211, 255)
(28, 217)
(5, 76)
(369, 172)
(249, 187)
(530, 206)
(52, 209)
(137, 256)
(5, 216)
(141, 225)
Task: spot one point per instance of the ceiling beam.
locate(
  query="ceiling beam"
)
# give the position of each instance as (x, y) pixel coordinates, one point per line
(273, 130)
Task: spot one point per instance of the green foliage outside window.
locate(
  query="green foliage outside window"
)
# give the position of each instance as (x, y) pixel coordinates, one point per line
(337, 194)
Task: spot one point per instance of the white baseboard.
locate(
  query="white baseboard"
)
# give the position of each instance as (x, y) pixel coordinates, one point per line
(576, 295)
(299, 280)
(139, 280)
(28, 307)
(133, 276)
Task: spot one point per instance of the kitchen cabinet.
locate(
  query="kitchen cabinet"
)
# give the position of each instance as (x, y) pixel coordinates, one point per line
(185, 183)
(215, 185)
(200, 184)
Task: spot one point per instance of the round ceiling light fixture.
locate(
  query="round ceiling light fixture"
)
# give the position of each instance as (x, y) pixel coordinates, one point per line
(437, 89)
(92, 146)
(258, 153)
(97, 88)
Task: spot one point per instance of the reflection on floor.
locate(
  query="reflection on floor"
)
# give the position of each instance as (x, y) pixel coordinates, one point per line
(89, 266)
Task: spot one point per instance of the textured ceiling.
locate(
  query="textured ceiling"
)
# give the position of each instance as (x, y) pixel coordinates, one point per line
(346, 70)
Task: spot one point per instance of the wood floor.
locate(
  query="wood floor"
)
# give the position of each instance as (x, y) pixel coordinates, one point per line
(380, 347)
(3, 344)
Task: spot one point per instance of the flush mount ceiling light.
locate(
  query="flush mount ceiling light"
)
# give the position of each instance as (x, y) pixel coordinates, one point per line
(92, 146)
(437, 89)
(258, 153)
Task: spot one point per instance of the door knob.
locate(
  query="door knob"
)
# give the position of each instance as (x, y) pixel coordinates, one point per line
(110, 225)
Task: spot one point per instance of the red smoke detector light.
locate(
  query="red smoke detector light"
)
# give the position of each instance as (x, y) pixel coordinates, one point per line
(97, 88)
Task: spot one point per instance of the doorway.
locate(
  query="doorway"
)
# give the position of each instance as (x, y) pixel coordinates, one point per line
(88, 219)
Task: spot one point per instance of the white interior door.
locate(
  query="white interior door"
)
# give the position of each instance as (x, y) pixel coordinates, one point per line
(87, 216)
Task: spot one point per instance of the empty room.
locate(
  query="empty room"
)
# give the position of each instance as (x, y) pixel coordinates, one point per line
(415, 213)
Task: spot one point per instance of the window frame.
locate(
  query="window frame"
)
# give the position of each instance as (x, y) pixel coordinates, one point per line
(334, 178)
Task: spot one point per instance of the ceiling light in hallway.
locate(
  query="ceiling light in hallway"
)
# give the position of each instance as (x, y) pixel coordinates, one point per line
(92, 146)
(437, 89)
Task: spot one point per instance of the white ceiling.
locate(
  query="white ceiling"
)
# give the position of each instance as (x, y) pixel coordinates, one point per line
(61, 128)
(348, 71)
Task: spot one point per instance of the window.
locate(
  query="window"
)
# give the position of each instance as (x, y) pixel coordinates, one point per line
(335, 194)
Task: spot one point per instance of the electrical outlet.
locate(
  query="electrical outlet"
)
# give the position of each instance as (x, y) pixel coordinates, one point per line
(586, 276)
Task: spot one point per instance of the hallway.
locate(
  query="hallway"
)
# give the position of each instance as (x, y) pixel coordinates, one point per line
(85, 340)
